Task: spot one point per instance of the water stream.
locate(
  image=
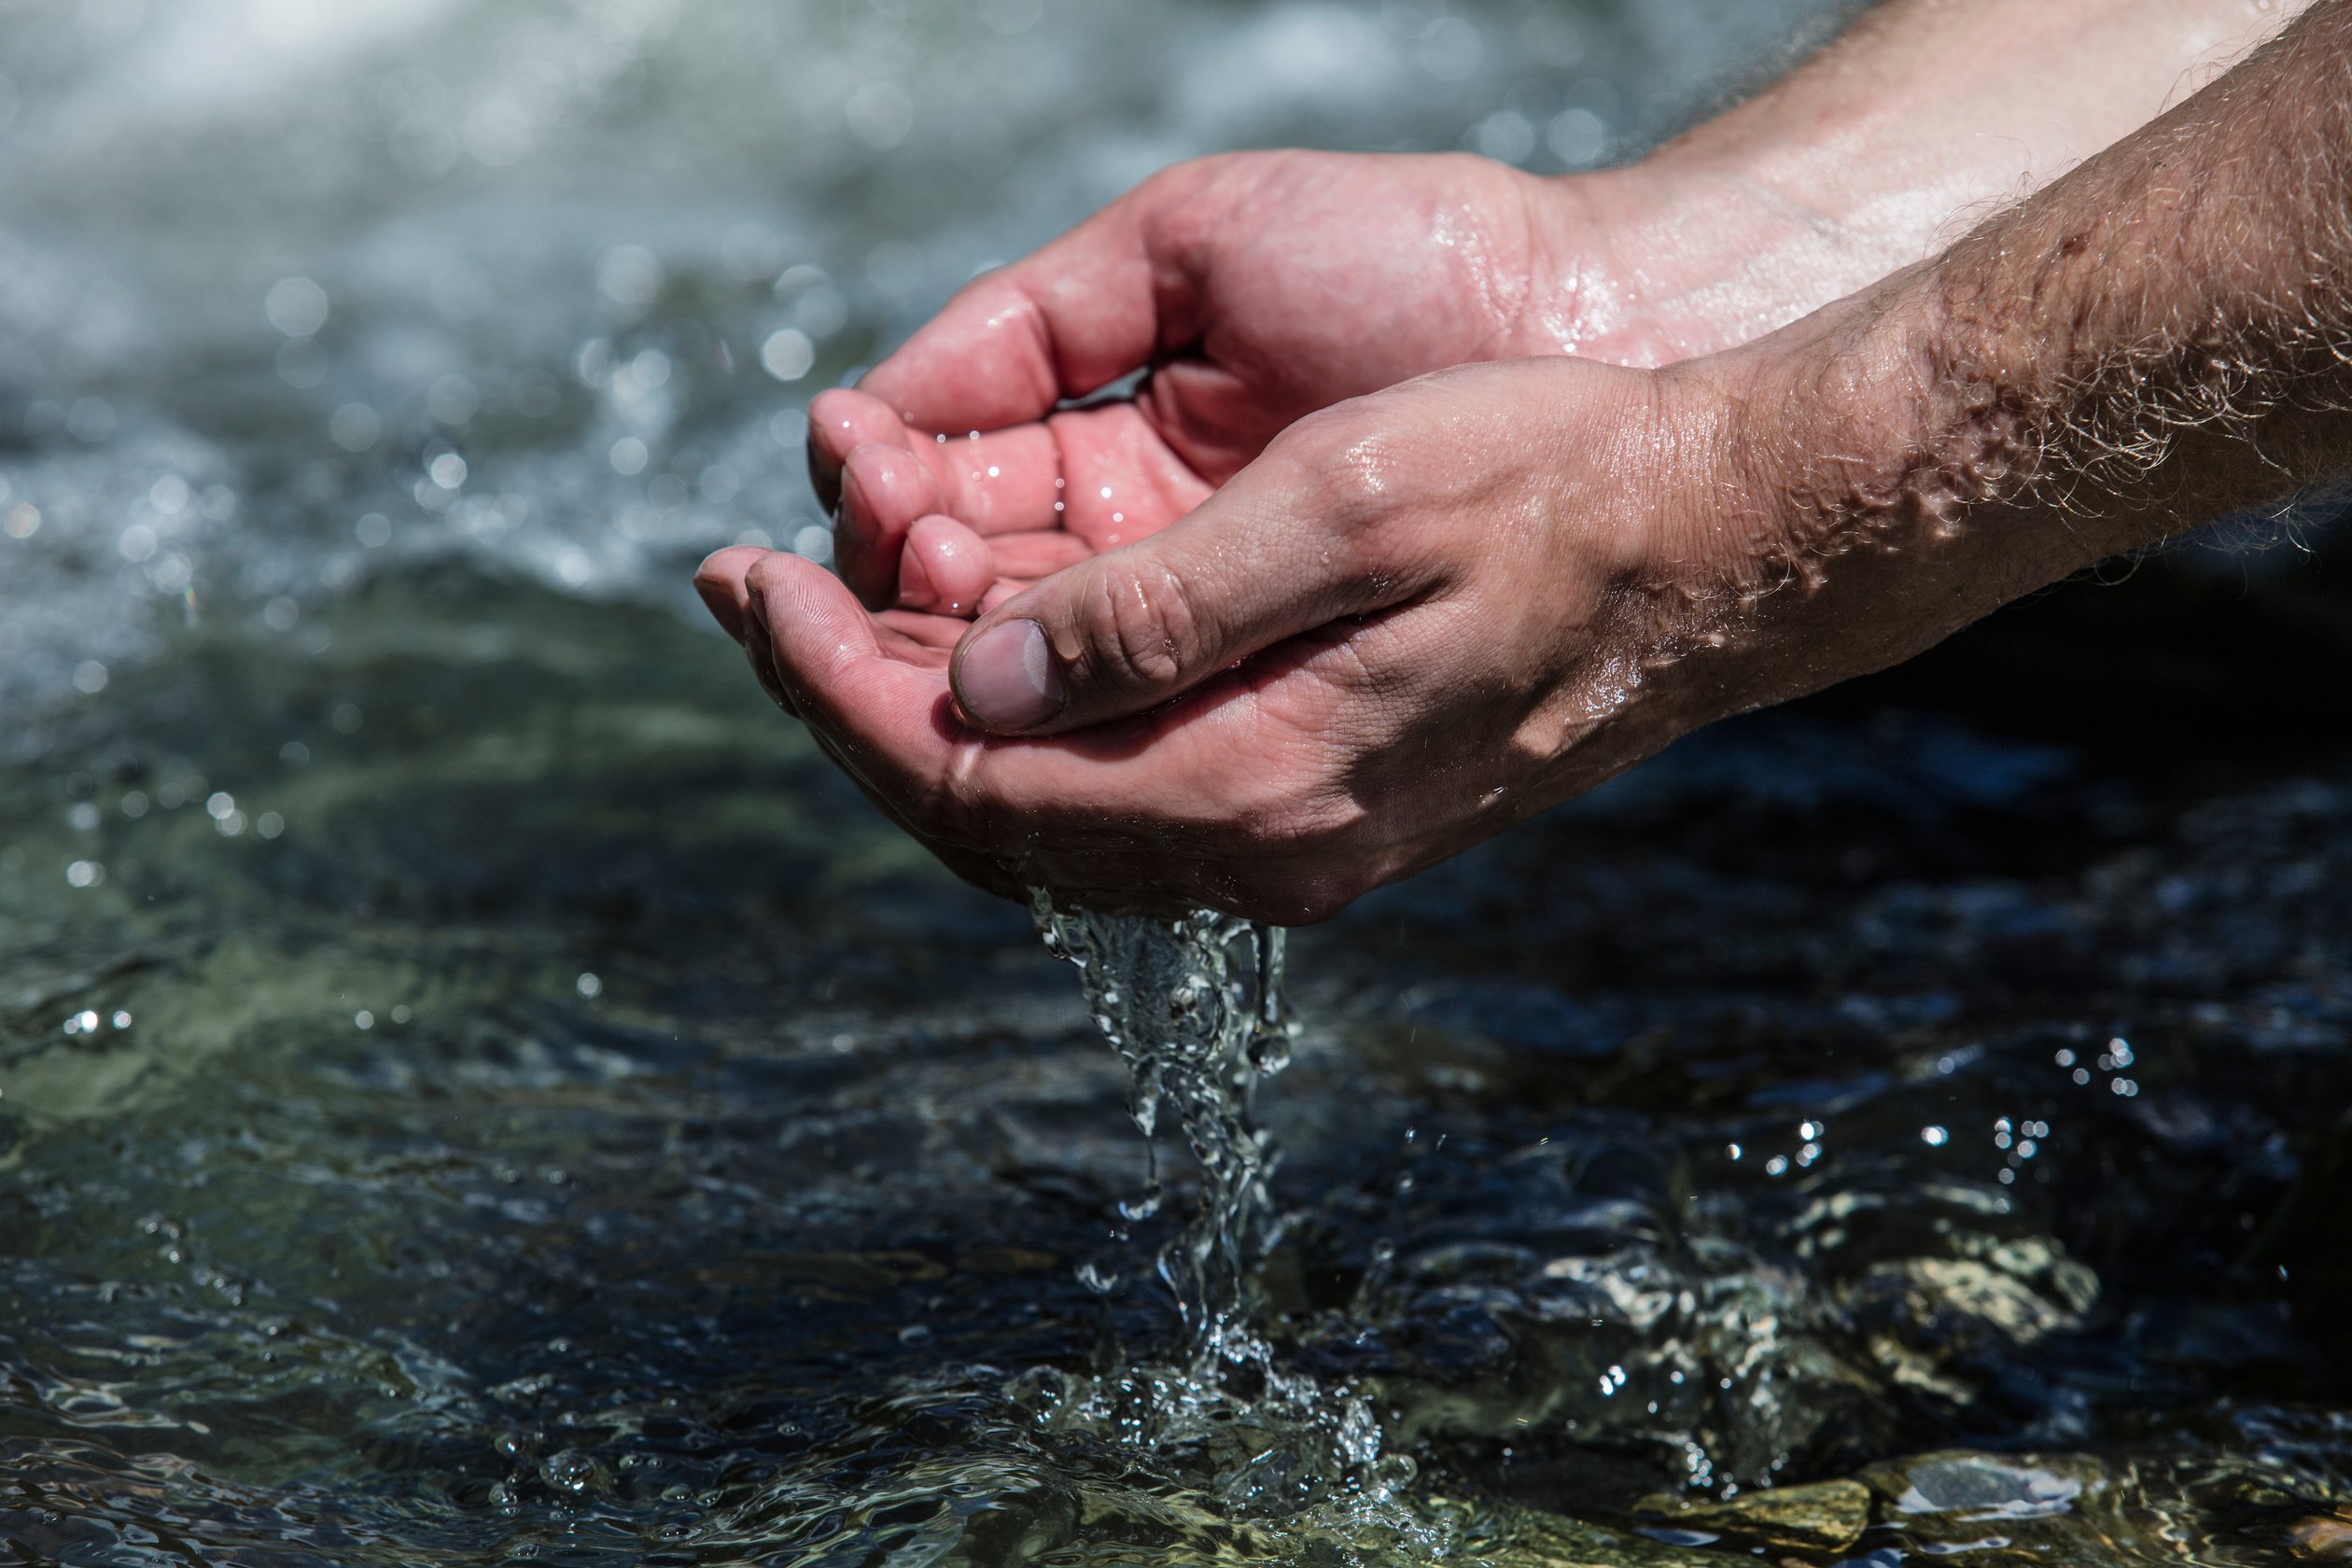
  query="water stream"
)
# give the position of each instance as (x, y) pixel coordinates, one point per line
(478, 1087)
(1195, 1008)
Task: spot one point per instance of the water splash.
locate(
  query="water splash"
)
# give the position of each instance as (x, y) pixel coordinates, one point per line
(1195, 1007)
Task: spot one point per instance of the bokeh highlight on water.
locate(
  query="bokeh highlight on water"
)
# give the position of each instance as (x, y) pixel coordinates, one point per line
(475, 1086)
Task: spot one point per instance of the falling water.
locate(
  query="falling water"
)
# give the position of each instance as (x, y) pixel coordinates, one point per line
(475, 1086)
(1195, 1007)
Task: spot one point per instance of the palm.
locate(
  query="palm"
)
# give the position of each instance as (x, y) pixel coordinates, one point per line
(1253, 289)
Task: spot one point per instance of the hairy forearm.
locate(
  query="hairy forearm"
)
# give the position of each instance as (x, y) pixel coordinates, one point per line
(2166, 338)
(1877, 151)
(2161, 337)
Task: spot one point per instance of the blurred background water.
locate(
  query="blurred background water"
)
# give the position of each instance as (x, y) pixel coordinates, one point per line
(475, 1086)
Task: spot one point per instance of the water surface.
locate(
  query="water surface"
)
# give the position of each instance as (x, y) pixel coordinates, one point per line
(476, 1086)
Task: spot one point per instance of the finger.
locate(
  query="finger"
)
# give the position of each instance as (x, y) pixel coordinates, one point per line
(1128, 630)
(884, 489)
(992, 480)
(719, 583)
(939, 632)
(1253, 753)
(945, 567)
(763, 663)
(1180, 807)
(840, 421)
(1122, 480)
(723, 580)
(1106, 473)
(888, 719)
(1063, 323)
(887, 487)
(1027, 558)
(996, 480)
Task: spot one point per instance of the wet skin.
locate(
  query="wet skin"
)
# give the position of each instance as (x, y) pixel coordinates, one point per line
(1391, 622)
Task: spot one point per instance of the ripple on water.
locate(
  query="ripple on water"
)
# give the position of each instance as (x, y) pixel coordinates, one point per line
(712, 1179)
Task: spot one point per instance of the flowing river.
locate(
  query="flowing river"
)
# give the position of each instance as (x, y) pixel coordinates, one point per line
(476, 1086)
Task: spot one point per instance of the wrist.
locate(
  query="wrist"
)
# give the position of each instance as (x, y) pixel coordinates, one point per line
(1691, 257)
(1868, 158)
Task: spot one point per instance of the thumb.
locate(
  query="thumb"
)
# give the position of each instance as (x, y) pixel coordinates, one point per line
(1125, 631)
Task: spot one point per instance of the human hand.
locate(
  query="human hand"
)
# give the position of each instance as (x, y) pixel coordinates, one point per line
(1424, 613)
(1417, 617)
(1263, 287)
(1259, 288)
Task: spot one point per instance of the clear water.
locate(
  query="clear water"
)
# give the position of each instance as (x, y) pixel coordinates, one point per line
(475, 1086)
(1194, 1009)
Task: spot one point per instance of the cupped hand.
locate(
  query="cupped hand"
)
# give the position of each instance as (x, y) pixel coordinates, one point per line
(1417, 617)
(1253, 289)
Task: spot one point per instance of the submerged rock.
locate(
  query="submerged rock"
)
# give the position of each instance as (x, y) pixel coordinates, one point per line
(1985, 1488)
(1825, 1516)
(2325, 1538)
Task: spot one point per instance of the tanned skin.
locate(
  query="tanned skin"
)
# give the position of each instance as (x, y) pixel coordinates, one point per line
(1417, 615)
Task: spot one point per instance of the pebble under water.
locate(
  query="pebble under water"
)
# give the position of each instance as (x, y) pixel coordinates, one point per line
(478, 1086)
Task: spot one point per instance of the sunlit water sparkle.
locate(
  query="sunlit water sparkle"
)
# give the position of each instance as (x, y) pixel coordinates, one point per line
(1195, 1007)
(477, 1086)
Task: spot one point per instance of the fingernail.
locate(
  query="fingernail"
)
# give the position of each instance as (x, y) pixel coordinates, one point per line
(1006, 679)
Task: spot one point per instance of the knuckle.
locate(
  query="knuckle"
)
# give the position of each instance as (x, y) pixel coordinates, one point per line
(1140, 627)
(1178, 180)
(1174, 189)
(1357, 475)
